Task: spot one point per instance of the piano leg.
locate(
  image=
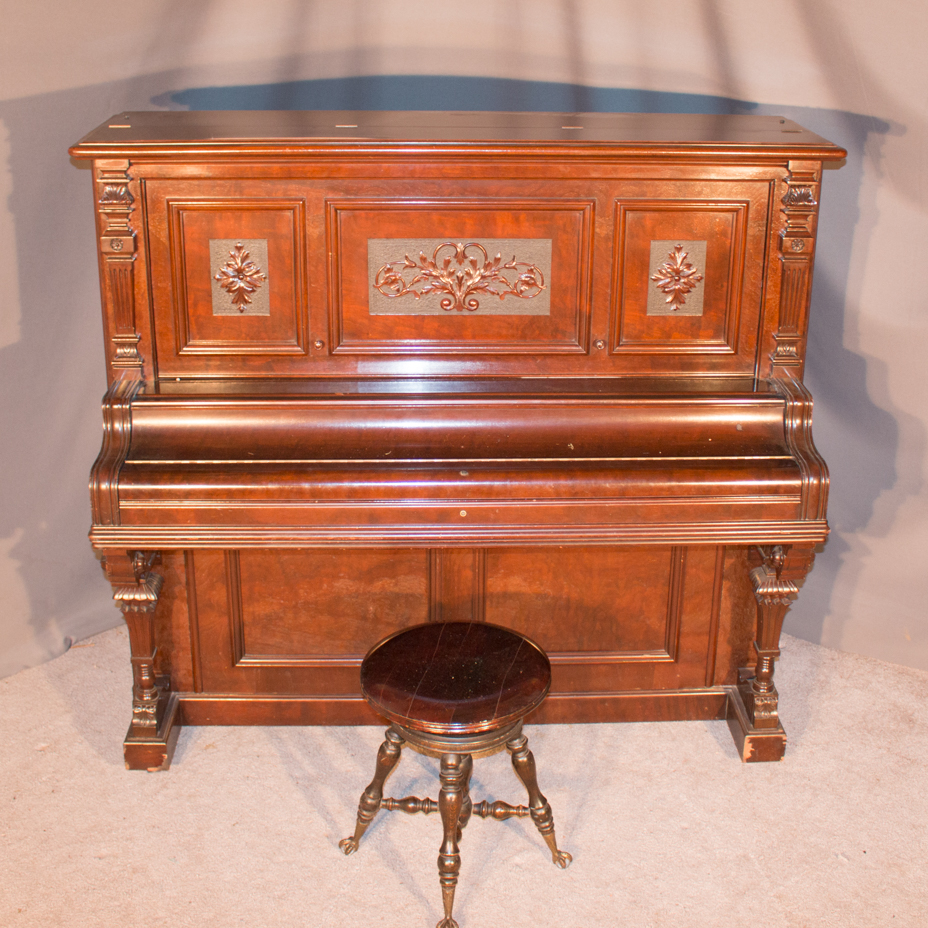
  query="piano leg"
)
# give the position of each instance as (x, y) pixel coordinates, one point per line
(155, 719)
(753, 713)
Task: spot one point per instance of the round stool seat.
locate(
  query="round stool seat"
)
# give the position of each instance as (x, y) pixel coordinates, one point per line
(455, 678)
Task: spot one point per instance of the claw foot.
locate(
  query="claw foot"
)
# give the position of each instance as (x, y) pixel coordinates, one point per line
(348, 845)
(561, 858)
(448, 922)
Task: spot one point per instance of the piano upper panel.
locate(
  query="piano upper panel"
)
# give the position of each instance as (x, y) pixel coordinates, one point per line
(370, 246)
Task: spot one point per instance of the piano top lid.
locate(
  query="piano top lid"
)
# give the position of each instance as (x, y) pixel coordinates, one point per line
(293, 133)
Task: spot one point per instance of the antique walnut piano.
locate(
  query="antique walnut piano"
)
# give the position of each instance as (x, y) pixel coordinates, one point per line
(373, 369)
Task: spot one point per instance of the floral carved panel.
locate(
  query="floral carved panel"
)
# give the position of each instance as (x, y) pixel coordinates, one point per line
(498, 277)
(239, 277)
(676, 271)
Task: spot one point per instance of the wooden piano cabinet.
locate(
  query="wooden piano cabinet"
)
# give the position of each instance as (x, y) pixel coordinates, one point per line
(368, 370)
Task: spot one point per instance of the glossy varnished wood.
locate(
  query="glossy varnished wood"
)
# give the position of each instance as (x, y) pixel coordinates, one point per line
(455, 677)
(636, 490)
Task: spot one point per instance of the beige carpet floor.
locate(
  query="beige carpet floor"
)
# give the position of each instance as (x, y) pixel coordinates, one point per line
(666, 826)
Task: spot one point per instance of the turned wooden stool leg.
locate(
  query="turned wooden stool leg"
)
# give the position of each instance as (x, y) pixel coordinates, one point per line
(467, 805)
(524, 764)
(387, 758)
(455, 772)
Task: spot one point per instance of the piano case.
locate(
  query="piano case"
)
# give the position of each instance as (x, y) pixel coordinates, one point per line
(369, 370)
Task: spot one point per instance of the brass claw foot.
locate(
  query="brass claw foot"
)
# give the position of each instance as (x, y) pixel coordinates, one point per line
(348, 845)
(561, 858)
(447, 923)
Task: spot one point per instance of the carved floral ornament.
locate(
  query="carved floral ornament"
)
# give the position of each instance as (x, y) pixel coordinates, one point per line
(240, 277)
(676, 277)
(460, 271)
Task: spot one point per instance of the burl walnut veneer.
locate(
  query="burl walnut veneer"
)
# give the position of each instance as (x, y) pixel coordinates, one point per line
(369, 370)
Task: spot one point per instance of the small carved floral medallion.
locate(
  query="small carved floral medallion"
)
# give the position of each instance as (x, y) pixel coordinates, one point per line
(460, 276)
(675, 270)
(237, 268)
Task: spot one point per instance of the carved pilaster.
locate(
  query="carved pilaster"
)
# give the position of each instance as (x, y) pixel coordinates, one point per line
(117, 251)
(797, 248)
(136, 588)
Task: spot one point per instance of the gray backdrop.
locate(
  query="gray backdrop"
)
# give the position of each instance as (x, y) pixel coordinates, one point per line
(852, 71)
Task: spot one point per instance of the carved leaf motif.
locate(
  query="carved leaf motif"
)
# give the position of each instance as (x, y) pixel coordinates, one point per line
(676, 277)
(116, 195)
(799, 196)
(465, 271)
(240, 276)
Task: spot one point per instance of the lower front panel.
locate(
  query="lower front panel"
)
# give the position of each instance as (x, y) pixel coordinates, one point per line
(277, 636)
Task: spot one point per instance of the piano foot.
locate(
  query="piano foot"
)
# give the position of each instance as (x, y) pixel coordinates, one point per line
(151, 749)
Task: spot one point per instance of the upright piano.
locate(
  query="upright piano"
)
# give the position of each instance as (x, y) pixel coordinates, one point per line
(372, 369)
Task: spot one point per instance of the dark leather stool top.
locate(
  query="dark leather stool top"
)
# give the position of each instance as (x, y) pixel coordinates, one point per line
(455, 677)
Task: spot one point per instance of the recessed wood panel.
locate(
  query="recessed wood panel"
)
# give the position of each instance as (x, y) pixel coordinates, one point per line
(609, 602)
(699, 260)
(201, 329)
(292, 607)
(300, 620)
(441, 289)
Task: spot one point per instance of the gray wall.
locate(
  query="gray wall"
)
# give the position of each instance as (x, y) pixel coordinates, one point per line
(853, 71)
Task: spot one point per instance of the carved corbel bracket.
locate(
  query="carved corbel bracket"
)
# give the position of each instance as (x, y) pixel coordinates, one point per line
(136, 590)
(753, 708)
(141, 593)
(774, 595)
(117, 254)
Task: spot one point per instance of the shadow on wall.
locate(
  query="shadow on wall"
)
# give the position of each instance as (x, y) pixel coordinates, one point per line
(51, 380)
(858, 438)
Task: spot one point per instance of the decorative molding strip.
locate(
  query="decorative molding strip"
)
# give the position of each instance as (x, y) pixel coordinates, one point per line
(231, 536)
(462, 272)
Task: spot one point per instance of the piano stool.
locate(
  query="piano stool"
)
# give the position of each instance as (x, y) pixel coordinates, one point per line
(455, 690)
